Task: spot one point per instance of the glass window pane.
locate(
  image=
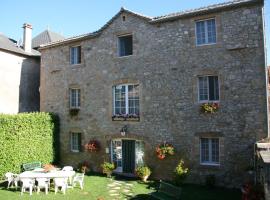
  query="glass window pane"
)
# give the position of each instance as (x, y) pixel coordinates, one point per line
(213, 88)
(215, 150)
(203, 88)
(211, 29)
(204, 150)
(200, 32)
(125, 45)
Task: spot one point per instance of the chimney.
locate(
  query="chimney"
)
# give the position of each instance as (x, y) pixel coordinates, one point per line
(27, 37)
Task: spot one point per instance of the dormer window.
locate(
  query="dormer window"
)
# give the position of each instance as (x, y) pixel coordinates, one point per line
(125, 45)
(75, 55)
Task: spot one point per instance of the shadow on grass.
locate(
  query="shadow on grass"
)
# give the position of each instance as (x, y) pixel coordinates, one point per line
(3, 186)
(139, 197)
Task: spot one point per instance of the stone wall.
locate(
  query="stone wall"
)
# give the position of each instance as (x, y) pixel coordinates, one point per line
(166, 63)
(19, 83)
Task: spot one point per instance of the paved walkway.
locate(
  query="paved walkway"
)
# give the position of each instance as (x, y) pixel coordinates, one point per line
(120, 190)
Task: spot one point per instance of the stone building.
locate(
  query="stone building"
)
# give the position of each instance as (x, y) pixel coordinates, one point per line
(141, 81)
(20, 71)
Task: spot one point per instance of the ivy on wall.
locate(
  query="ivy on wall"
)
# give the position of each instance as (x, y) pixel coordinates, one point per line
(28, 137)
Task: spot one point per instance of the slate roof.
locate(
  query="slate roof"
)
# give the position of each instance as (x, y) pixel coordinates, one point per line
(161, 19)
(10, 45)
(46, 37)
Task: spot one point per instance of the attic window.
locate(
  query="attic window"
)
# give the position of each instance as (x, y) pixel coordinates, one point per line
(125, 45)
(124, 18)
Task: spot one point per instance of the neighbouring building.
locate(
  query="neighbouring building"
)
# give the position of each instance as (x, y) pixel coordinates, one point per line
(20, 71)
(141, 81)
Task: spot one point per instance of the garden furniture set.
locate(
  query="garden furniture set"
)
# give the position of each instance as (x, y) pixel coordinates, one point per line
(38, 179)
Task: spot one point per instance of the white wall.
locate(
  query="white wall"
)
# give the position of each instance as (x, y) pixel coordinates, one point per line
(10, 73)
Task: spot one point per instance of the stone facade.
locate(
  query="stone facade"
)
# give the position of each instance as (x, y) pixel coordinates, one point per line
(166, 64)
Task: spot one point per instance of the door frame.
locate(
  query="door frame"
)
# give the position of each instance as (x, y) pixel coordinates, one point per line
(120, 169)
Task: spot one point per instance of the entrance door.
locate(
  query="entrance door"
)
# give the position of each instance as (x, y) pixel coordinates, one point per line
(128, 153)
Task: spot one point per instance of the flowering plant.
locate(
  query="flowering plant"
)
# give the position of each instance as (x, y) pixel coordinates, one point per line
(164, 149)
(48, 167)
(92, 146)
(209, 107)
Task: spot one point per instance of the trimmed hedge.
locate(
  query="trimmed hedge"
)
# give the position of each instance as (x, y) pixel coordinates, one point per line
(28, 137)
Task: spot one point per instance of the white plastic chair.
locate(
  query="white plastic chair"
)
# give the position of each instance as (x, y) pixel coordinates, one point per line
(27, 183)
(12, 179)
(78, 179)
(67, 168)
(60, 182)
(43, 183)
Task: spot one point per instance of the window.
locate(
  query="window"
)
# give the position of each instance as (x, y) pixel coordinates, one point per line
(75, 98)
(75, 55)
(125, 45)
(75, 142)
(206, 32)
(126, 100)
(208, 88)
(209, 151)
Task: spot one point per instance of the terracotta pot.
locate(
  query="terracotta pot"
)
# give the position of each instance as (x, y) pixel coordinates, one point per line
(145, 178)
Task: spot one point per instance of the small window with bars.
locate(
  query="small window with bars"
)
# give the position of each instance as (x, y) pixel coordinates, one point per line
(125, 45)
(209, 151)
(75, 142)
(74, 98)
(206, 32)
(75, 55)
(208, 87)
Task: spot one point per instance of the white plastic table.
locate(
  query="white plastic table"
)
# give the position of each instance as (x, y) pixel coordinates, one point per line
(49, 175)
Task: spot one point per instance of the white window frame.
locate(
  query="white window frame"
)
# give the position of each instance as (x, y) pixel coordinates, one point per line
(126, 97)
(210, 162)
(76, 99)
(198, 85)
(206, 32)
(75, 150)
(76, 62)
(119, 46)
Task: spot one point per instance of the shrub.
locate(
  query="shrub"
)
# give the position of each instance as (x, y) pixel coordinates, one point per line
(143, 172)
(180, 173)
(107, 168)
(28, 137)
(210, 180)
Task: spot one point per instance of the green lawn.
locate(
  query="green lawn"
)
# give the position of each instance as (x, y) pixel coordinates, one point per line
(102, 188)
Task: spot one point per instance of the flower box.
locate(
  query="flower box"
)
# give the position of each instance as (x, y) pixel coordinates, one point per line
(132, 117)
(74, 111)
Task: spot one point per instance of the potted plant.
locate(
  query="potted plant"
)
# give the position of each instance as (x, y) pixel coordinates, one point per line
(49, 167)
(92, 146)
(107, 168)
(143, 172)
(164, 149)
(74, 111)
(180, 173)
(209, 107)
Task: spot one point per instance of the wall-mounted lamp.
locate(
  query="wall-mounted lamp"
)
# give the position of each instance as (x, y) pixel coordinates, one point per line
(123, 130)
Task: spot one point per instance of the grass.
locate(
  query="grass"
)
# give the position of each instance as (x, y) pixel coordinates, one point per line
(97, 187)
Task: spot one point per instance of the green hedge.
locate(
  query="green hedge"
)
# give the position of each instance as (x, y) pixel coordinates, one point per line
(28, 137)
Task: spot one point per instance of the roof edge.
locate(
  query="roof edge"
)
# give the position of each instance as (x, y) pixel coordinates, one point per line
(205, 10)
(160, 19)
